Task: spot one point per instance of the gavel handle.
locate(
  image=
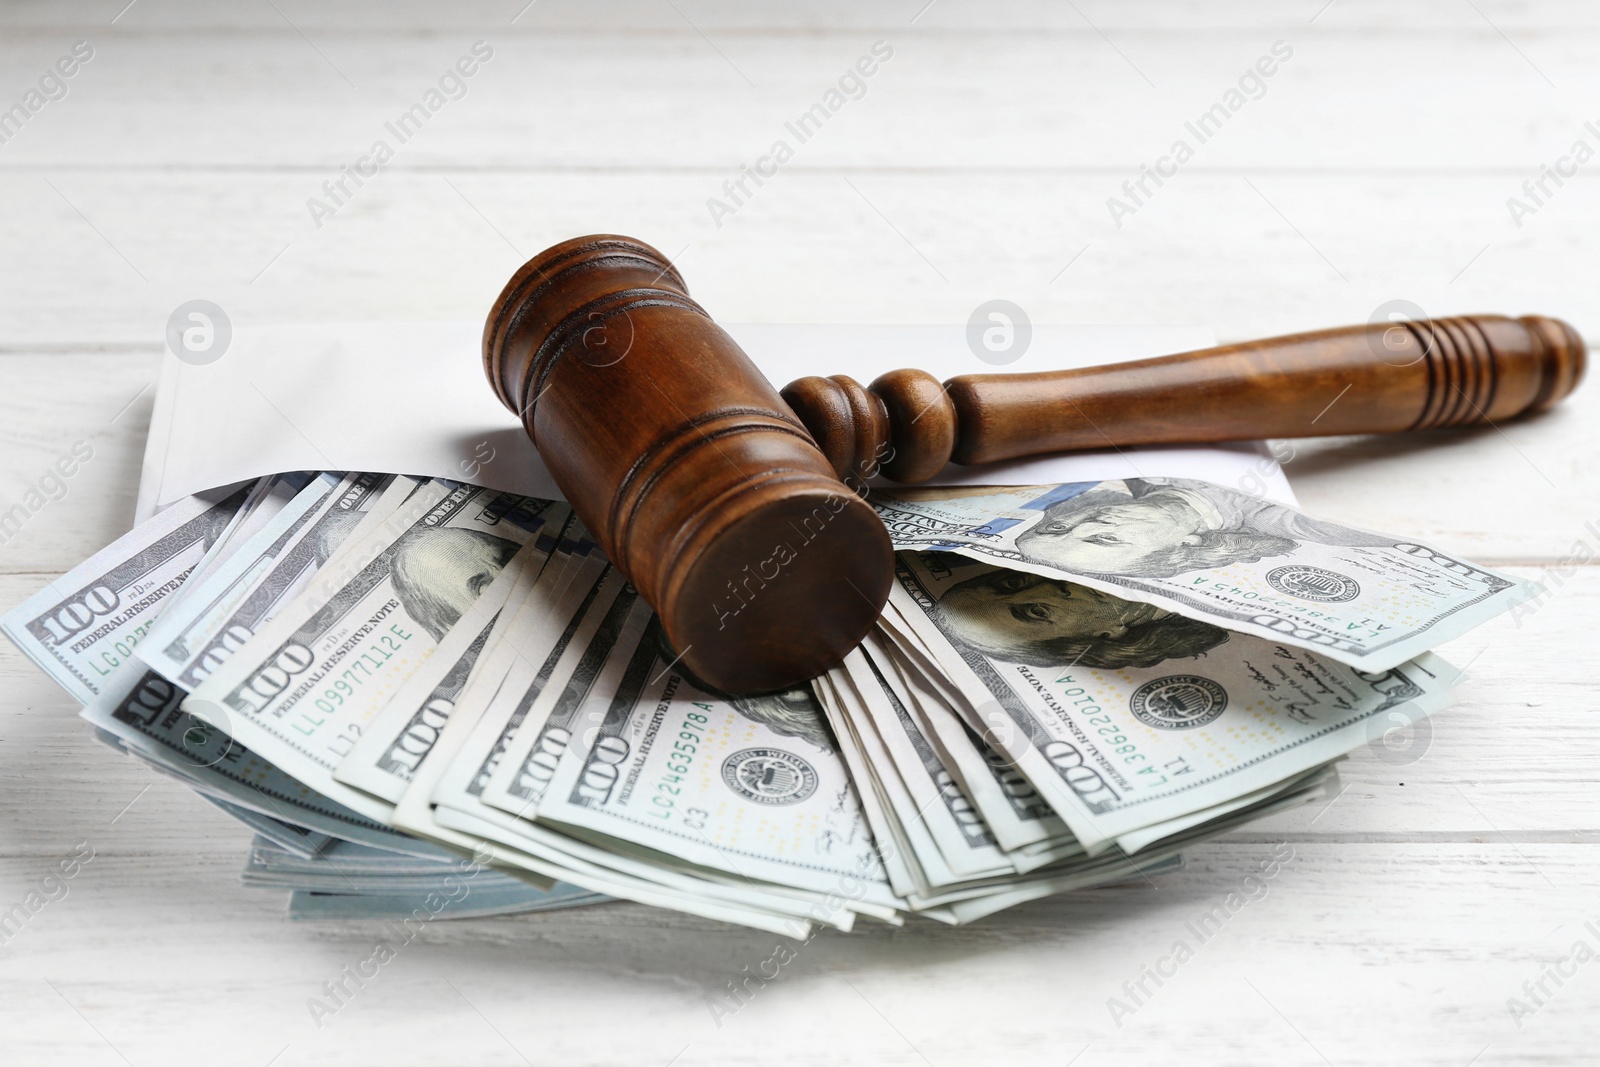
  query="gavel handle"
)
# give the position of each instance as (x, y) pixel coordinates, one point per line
(1377, 378)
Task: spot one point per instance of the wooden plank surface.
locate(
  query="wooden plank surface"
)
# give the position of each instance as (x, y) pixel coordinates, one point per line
(1459, 863)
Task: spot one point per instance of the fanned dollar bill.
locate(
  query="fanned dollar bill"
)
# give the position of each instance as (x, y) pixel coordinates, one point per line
(556, 625)
(302, 689)
(525, 727)
(142, 710)
(541, 726)
(265, 498)
(217, 617)
(751, 786)
(928, 845)
(450, 811)
(402, 736)
(391, 677)
(1022, 823)
(553, 623)
(1119, 741)
(171, 638)
(84, 625)
(604, 866)
(1221, 556)
(946, 836)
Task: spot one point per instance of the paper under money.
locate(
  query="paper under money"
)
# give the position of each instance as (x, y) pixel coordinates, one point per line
(1170, 718)
(84, 625)
(300, 692)
(1223, 556)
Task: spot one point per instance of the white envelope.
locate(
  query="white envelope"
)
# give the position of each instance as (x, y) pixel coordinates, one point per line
(411, 398)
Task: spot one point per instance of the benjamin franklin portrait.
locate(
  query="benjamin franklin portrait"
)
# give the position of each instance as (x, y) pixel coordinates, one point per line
(439, 573)
(1046, 622)
(1162, 527)
(792, 713)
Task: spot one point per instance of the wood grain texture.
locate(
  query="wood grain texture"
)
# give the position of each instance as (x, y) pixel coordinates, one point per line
(1377, 167)
(412, 246)
(692, 476)
(1410, 377)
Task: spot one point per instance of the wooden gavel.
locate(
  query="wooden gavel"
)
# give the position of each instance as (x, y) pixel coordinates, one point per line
(737, 514)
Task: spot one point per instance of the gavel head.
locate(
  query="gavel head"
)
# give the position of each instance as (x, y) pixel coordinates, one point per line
(686, 466)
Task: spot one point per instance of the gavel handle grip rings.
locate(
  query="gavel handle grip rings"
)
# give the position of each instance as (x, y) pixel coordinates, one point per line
(727, 505)
(1378, 378)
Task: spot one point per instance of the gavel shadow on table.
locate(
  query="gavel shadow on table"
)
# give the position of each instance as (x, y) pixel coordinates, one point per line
(736, 510)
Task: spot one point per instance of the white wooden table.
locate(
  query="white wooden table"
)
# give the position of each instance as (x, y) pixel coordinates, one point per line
(1376, 167)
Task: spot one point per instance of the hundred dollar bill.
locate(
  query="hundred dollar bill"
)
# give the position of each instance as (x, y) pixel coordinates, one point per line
(301, 691)
(1220, 555)
(467, 749)
(423, 706)
(1164, 718)
(141, 709)
(194, 637)
(565, 678)
(917, 859)
(267, 498)
(296, 839)
(1022, 823)
(509, 759)
(948, 837)
(895, 850)
(402, 735)
(512, 898)
(540, 726)
(520, 635)
(207, 592)
(261, 499)
(920, 675)
(752, 787)
(84, 625)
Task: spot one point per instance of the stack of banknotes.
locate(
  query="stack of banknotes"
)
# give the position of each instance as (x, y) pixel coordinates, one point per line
(426, 697)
